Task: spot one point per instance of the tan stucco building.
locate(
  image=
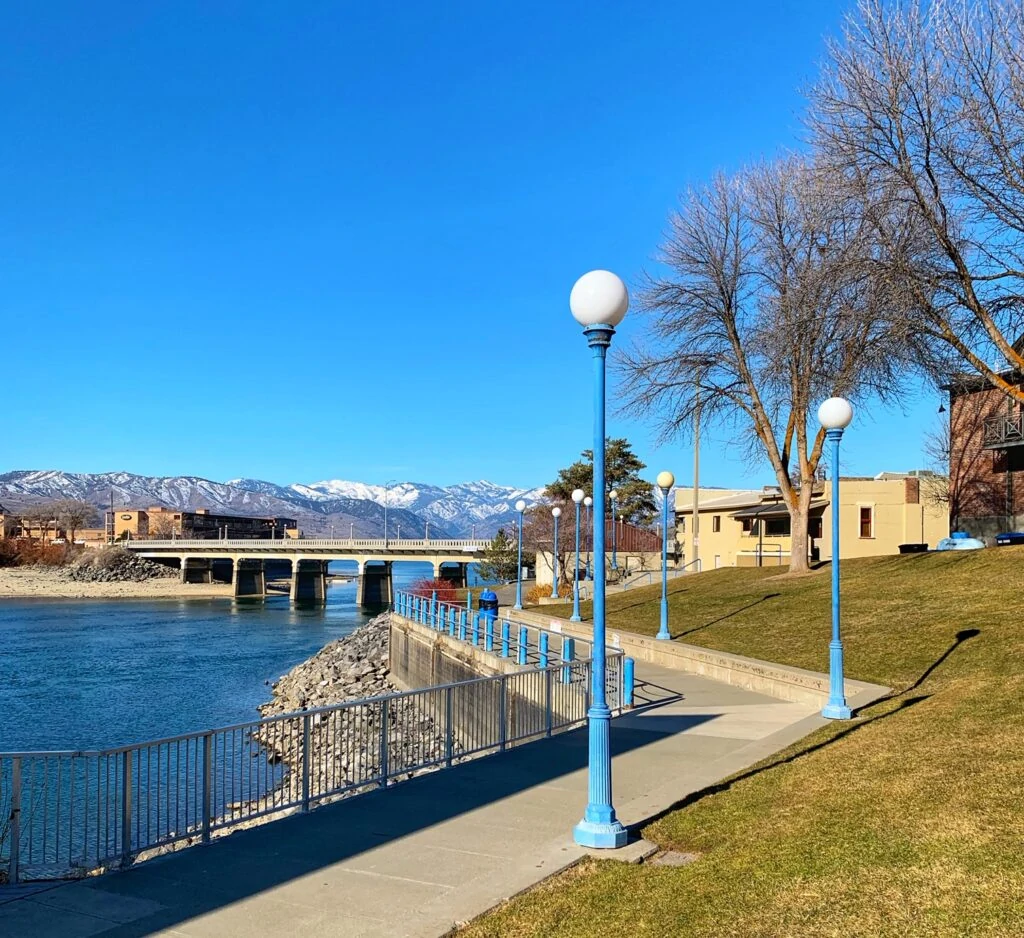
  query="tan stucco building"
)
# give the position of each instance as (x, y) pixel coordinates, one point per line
(751, 527)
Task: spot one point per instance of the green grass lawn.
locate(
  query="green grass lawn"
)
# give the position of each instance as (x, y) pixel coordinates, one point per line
(907, 822)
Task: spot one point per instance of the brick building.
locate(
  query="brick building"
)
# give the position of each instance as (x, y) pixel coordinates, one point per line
(986, 457)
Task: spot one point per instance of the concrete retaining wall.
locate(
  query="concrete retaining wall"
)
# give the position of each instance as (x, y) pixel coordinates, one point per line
(765, 677)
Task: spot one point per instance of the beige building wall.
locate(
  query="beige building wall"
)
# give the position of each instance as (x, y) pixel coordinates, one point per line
(895, 511)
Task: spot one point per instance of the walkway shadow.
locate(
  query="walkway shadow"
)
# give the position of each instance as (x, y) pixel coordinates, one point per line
(905, 704)
(728, 615)
(202, 879)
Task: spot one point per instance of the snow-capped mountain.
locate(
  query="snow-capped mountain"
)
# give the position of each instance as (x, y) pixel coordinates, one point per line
(478, 508)
(482, 506)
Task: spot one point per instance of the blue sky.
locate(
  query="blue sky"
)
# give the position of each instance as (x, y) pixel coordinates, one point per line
(329, 240)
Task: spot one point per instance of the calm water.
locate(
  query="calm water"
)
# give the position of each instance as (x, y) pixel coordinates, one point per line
(97, 673)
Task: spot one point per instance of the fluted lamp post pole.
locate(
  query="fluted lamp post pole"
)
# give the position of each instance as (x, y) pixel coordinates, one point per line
(520, 507)
(599, 301)
(555, 513)
(835, 415)
(614, 496)
(577, 497)
(665, 482)
(588, 502)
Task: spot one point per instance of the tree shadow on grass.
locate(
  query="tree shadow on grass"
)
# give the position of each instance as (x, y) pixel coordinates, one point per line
(905, 704)
(728, 615)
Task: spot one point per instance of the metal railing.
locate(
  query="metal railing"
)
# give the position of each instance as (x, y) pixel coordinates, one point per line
(299, 544)
(67, 814)
(649, 577)
(507, 638)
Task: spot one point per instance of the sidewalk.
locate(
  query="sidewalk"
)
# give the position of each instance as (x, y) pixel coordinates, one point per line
(431, 852)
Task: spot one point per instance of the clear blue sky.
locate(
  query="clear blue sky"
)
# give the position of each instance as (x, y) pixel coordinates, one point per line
(322, 240)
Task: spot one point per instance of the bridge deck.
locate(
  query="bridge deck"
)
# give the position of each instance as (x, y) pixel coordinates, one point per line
(438, 849)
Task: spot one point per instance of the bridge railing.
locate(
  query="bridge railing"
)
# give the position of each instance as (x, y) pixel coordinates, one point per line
(69, 814)
(298, 544)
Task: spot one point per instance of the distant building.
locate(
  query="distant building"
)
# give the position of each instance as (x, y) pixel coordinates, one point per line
(986, 457)
(201, 524)
(751, 527)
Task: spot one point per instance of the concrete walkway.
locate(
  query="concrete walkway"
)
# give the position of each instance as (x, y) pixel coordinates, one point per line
(431, 852)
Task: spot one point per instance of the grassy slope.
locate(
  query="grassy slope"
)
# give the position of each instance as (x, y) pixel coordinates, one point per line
(907, 822)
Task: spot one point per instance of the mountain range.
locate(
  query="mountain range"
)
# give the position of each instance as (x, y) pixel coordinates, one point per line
(321, 508)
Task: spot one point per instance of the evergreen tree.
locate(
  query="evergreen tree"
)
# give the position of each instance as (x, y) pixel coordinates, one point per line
(636, 503)
(499, 560)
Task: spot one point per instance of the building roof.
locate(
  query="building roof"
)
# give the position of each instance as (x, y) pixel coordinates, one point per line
(775, 509)
(724, 503)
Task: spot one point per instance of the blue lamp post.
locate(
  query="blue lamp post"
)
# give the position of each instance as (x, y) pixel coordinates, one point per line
(599, 302)
(835, 415)
(555, 513)
(665, 482)
(614, 496)
(588, 501)
(577, 497)
(520, 507)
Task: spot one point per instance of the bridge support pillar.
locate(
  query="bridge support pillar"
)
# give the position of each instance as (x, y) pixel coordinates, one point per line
(250, 578)
(375, 585)
(196, 570)
(457, 574)
(309, 581)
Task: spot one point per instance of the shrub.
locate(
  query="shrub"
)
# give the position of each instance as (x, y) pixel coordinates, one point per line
(447, 592)
(536, 593)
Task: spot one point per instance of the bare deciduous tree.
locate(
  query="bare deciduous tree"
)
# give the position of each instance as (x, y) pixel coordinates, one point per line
(73, 514)
(768, 308)
(921, 108)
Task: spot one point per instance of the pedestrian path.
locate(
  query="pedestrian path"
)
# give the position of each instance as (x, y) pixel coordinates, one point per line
(431, 852)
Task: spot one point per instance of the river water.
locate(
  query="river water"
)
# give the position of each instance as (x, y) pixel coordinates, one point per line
(91, 674)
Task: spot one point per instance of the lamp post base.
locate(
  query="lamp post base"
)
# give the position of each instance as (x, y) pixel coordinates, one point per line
(575, 618)
(833, 711)
(600, 836)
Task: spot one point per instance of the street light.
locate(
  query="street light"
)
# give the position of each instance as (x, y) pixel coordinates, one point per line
(613, 495)
(665, 482)
(835, 415)
(520, 507)
(555, 513)
(588, 501)
(599, 301)
(577, 497)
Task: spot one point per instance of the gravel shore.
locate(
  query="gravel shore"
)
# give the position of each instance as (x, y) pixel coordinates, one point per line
(47, 583)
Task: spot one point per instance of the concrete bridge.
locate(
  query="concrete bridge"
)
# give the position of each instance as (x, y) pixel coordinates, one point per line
(243, 563)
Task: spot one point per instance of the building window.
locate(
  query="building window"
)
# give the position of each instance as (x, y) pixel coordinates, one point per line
(867, 521)
(716, 524)
(776, 527)
(748, 526)
(814, 527)
(682, 525)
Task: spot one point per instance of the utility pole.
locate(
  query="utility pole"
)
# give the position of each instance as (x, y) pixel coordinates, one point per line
(696, 477)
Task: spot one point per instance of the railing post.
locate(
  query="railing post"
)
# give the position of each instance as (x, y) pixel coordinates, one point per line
(449, 730)
(542, 646)
(489, 635)
(13, 873)
(305, 761)
(453, 619)
(207, 779)
(524, 644)
(504, 639)
(384, 743)
(476, 628)
(462, 625)
(627, 683)
(126, 807)
(433, 609)
(568, 655)
(549, 715)
(502, 714)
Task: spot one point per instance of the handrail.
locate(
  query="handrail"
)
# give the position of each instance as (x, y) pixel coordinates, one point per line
(673, 572)
(75, 812)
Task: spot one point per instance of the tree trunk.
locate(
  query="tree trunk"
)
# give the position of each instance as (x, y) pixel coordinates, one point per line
(799, 515)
